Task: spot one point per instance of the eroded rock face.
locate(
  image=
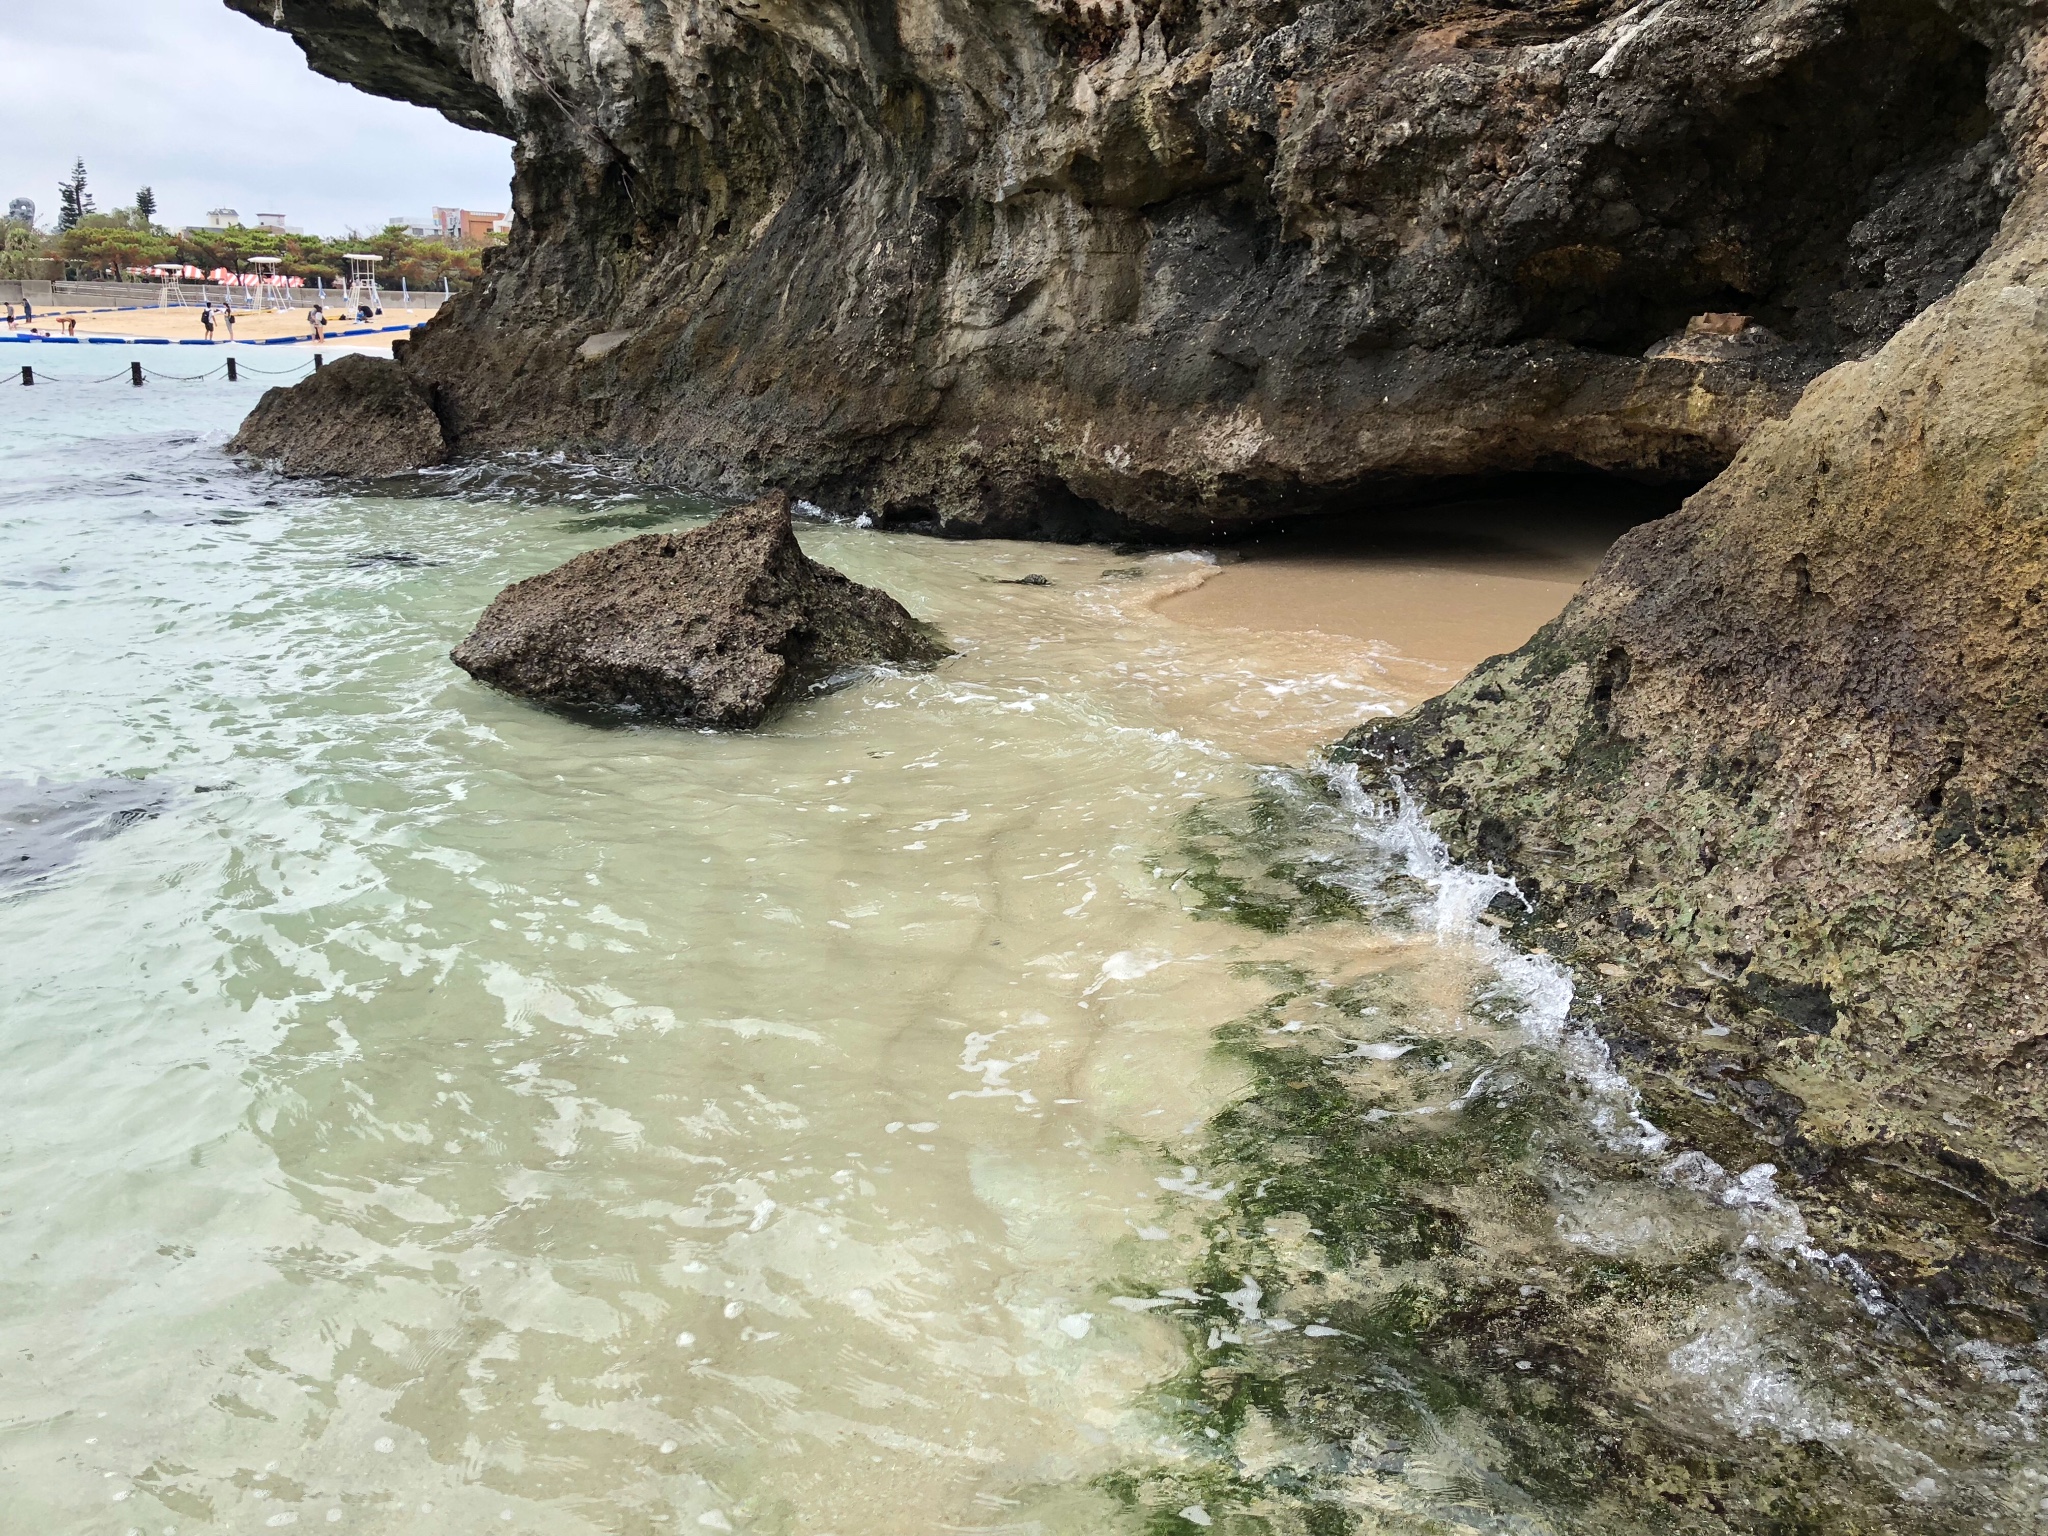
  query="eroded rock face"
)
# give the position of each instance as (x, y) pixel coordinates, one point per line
(1778, 779)
(715, 627)
(1043, 267)
(358, 416)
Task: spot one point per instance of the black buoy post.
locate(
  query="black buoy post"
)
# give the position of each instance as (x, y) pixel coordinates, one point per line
(316, 362)
(135, 374)
(231, 371)
(28, 374)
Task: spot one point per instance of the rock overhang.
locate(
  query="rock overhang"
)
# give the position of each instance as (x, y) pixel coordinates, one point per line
(1160, 269)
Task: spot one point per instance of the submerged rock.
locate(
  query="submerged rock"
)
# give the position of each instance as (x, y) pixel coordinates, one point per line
(1083, 269)
(45, 826)
(714, 627)
(358, 416)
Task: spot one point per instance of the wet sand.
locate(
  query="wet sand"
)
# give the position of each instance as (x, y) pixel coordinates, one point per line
(1431, 596)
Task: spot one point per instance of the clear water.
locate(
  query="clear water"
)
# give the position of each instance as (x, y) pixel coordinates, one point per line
(993, 1099)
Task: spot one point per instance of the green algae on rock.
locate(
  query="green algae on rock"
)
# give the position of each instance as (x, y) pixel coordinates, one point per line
(1777, 783)
(1451, 1280)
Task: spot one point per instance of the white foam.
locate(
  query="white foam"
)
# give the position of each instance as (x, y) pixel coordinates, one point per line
(1538, 987)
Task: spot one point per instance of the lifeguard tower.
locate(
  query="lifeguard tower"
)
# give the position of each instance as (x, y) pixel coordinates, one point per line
(362, 284)
(170, 292)
(270, 292)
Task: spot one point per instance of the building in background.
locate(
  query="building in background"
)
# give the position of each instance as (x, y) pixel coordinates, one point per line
(276, 221)
(418, 229)
(466, 226)
(221, 218)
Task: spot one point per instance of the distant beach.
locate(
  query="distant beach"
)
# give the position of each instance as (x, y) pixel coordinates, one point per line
(182, 324)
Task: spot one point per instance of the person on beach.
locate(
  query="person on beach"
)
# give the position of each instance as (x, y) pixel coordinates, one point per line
(10, 317)
(206, 319)
(317, 318)
(227, 313)
(70, 324)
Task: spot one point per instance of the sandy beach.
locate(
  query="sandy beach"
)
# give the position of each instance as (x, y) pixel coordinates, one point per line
(288, 328)
(1432, 594)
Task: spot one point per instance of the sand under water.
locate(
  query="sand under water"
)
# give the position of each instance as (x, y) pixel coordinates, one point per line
(1029, 1096)
(1431, 592)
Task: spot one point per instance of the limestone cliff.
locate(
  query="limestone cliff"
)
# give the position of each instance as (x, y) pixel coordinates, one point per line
(1169, 265)
(1777, 781)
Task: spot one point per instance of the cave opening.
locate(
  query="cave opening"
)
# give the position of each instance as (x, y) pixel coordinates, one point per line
(1433, 587)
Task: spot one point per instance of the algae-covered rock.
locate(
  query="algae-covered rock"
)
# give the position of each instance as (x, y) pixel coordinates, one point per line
(359, 416)
(1778, 777)
(716, 626)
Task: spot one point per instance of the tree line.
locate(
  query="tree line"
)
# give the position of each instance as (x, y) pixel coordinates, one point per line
(128, 240)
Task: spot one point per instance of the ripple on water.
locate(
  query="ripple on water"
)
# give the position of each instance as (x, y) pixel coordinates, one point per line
(987, 1099)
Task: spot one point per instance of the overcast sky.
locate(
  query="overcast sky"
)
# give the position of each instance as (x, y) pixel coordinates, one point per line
(214, 111)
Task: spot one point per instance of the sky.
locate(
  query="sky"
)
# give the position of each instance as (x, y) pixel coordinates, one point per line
(212, 110)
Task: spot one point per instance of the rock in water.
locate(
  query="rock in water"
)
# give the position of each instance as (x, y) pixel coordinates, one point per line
(714, 627)
(361, 416)
(44, 827)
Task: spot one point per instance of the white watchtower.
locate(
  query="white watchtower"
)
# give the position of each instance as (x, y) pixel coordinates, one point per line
(170, 291)
(270, 290)
(362, 283)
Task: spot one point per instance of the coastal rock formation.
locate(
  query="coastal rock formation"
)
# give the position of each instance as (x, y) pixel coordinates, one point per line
(358, 416)
(1167, 266)
(1777, 783)
(1777, 780)
(711, 627)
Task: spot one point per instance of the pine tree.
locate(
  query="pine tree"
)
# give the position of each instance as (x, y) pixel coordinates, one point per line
(145, 207)
(73, 201)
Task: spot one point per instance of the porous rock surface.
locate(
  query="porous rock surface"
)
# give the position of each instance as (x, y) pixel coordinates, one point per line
(1168, 266)
(714, 627)
(357, 416)
(1777, 782)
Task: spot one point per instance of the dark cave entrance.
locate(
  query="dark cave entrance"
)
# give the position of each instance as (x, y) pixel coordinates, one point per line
(1511, 515)
(1433, 587)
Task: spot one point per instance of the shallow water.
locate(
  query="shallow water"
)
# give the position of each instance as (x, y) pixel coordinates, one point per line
(991, 1099)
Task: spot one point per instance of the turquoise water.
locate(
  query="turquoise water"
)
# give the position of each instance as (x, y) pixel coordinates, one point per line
(1018, 1097)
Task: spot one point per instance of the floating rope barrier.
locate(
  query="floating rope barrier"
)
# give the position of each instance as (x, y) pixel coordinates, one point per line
(33, 376)
(135, 373)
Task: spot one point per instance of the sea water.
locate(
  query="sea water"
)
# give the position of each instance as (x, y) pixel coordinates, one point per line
(1029, 1095)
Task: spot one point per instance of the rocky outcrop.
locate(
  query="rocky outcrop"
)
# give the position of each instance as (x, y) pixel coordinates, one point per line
(713, 627)
(358, 416)
(1778, 781)
(1164, 267)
